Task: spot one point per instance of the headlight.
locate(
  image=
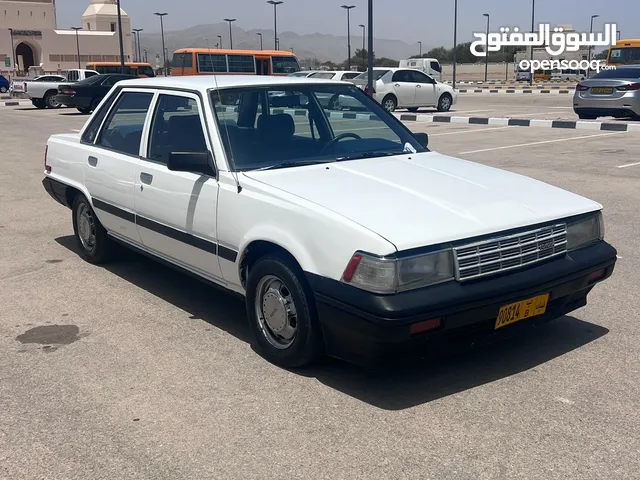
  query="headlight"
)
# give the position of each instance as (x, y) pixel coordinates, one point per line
(585, 232)
(391, 275)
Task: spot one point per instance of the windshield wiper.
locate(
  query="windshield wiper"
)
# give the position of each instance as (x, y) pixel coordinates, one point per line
(359, 156)
(289, 164)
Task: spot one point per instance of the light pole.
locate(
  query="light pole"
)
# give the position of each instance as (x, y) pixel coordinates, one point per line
(370, 49)
(590, 32)
(146, 56)
(164, 60)
(486, 50)
(275, 4)
(77, 44)
(220, 41)
(137, 32)
(533, 30)
(364, 31)
(230, 21)
(618, 34)
(13, 52)
(455, 39)
(420, 43)
(348, 9)
(122, 69)
(291, 48)
(260, 35)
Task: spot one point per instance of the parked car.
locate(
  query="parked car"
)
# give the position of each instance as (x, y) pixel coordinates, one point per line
(336, 102)
(302, 73)
(408, 88)
(4, 84)
(430, 66)
(87, 94)
(344, 235)
(614, 93)
(43, 90)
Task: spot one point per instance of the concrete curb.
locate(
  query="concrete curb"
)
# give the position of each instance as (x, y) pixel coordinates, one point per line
(502, 82)
(520, 122)
(520, 87)
(516, 91)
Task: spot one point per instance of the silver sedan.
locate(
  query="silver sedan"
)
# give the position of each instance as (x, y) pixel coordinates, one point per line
(610, 93)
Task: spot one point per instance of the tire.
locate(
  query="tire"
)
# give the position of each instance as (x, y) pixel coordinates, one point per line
(86, 111)
(413, 109)
(94, 104)
(292, 340)
(3, 89)
(39, 103)
(390, 103)
(50, 100)
(445, 102)
(94, 244)
(333, 103)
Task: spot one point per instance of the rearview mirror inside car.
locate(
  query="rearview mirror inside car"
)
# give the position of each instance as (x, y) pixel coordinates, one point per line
(194, 162)
(423, 138)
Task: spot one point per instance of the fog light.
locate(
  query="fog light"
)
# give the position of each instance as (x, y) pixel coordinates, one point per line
(425, 326)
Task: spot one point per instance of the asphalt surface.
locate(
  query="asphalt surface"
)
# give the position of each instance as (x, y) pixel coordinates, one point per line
(135, 371)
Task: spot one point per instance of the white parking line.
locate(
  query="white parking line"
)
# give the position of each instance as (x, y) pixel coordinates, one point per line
(629, 165)
(457, 132)
(541, 143)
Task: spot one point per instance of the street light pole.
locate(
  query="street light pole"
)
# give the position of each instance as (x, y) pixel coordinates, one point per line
(260, 35)
(275, 4)
(486, 50)
(455, 39)
(348, 9)
(364, 30)
(120, 37)
(164, 59)
(420, 43)
(590, 32)
(370, 49)
(230, 21)
(77, 44)
(220, 41)
(137, 31)
(533, 30)
(618, 34)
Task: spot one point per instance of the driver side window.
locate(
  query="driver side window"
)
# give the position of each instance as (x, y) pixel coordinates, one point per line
(122, 131)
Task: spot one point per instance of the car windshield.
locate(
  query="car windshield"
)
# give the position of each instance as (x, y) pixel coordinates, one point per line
(377, 75)
(620, 73)
(293, 125)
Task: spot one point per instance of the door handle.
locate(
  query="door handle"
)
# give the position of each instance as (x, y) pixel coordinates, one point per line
(418, 86)
(397, 85)
(146, 178)
(93, 161)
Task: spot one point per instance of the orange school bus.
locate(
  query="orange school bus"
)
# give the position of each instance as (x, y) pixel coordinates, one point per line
(204, 61)
(624, 52)
(140, 69)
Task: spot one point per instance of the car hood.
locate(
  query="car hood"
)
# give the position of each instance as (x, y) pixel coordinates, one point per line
(425, 199)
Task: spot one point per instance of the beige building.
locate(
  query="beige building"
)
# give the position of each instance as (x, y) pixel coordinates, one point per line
(30, 38)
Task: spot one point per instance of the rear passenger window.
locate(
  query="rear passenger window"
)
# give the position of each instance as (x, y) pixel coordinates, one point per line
(91, 132)
(176, 127)
(122, 131)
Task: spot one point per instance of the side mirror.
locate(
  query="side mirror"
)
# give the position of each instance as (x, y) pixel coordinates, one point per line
(194, 162)
(422, 138)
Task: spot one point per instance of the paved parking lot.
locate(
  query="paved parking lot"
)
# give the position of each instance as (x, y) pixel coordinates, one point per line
(134, 371)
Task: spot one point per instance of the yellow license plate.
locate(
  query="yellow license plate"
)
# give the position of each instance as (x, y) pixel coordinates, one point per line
(601, 90)
(514, 312)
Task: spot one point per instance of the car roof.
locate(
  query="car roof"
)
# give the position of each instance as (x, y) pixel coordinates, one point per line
(208, 82)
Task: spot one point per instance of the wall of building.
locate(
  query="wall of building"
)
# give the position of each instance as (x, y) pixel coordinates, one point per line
(28, 15)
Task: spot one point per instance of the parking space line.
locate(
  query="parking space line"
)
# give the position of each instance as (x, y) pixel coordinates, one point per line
(457, 132)
(629, 165)
(540, 143)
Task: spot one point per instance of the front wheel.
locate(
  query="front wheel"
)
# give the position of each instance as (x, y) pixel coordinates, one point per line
(95, 245)
(445, 102)
(282, 312)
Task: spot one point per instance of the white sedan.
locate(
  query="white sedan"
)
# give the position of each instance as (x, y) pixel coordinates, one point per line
(408, 88)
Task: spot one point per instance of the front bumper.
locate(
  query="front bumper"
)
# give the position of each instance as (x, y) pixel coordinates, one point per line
(359, 326)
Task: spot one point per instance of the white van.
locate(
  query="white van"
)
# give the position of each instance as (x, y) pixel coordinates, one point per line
(430, 66)
(569, 74)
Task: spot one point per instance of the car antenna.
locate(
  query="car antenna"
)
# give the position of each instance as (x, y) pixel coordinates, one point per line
(226, 130)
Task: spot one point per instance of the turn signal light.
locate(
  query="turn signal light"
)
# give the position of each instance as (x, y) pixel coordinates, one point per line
(425, 326)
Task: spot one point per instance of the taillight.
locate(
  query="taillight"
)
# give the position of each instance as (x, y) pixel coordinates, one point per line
(47, 168)
(366, 90)
(581, 88)
(67, 91)
(630, 87)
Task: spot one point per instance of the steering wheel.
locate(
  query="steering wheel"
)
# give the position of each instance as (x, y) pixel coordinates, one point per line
(336, 139)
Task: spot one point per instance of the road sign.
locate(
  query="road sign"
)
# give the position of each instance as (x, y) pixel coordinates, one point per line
(7, 61)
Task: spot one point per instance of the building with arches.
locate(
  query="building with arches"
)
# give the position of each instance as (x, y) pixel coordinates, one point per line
(29, 36)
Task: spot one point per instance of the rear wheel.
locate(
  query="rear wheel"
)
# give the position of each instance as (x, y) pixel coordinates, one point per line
(94, 104)
(389, 103)
(282, 312)
(95, 245)
(84, 110)
(50, 100)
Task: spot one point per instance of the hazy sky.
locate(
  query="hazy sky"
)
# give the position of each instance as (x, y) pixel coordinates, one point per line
(430, 21)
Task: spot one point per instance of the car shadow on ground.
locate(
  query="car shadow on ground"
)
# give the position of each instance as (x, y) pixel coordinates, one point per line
(402, 385)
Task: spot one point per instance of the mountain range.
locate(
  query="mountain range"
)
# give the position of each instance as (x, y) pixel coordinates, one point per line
(312, 46)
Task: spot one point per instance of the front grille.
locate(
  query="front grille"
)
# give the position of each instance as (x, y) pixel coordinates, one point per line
(501, 254)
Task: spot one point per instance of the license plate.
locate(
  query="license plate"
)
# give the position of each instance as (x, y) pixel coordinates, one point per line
(514, 312)
(602, 90)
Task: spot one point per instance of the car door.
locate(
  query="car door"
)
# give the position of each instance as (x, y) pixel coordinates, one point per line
(176, 211)
(426, 91)
(404, 88)
(112, 160)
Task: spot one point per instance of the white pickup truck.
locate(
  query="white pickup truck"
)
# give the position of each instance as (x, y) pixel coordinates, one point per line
(343, 231)
(43, 90)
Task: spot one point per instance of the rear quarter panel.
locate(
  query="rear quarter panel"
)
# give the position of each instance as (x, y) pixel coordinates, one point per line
(67, 156)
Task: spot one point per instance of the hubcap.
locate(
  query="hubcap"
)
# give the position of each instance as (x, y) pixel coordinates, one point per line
(446, 103)
(86, 227)
(389, 105)
(52, 101)
(276, 312)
